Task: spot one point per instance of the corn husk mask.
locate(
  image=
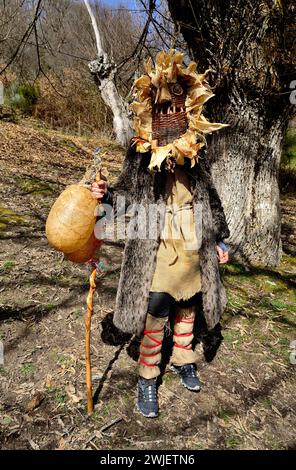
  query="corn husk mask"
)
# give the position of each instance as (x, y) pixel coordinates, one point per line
(168, 110)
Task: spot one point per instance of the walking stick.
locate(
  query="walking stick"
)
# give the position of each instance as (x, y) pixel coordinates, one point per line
(89, 301)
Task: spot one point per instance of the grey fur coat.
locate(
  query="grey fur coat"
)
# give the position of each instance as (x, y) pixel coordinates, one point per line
(138, 185)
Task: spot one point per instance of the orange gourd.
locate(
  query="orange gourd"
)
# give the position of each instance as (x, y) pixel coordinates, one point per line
(72, 219)
(86, 252)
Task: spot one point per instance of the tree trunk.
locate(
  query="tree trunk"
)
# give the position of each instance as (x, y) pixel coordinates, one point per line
(103, 70)
(243, 44)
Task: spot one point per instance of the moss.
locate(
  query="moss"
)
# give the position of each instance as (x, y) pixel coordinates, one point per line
(287, 260)
(9, 217)
(34, 186)
(289, 149)
(69, 145)
(232, 268)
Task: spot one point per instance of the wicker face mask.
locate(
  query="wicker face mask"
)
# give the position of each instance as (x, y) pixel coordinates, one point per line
(169, 119)
(168, 110)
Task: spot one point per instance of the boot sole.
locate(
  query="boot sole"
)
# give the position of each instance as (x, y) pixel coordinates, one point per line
(196, 389)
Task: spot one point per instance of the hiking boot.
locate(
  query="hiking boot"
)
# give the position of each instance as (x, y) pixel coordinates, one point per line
(147, 397)
(188, 375)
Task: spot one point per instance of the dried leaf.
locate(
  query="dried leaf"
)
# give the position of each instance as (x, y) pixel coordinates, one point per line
(35, 401)
(70, 390)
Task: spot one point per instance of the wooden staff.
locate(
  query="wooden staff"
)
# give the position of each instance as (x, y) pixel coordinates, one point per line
(89, 301)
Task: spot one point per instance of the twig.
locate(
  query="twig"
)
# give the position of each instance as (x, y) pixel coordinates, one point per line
(108, 425)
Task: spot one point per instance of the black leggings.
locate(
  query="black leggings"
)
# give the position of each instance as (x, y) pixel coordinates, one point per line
(160, 303)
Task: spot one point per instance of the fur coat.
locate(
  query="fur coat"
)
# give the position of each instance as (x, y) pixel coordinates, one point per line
(138, 185)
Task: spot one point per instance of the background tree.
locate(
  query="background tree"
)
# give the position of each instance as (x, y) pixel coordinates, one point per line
(249, 47)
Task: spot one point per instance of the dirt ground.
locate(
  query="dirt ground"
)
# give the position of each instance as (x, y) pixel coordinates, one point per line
(248, 390)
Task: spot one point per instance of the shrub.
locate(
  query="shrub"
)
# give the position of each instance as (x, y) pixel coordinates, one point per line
(22, 97)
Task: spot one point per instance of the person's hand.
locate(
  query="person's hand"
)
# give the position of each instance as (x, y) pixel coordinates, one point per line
(223, 256)
(99, 189)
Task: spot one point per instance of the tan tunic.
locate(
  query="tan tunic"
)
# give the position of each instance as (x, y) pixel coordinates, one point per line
(177, 265)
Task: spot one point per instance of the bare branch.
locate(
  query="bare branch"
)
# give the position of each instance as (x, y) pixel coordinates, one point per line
(25, 36)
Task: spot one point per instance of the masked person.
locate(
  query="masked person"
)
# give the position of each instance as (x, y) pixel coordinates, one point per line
(166, 167)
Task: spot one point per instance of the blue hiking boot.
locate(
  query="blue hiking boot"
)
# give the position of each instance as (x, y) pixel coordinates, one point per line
(147, 397)
(188, 375)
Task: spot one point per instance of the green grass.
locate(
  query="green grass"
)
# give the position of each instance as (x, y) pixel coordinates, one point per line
(279, 305)
(232, 441)
(49, 307)
(59, 396)
(65, 361)
(121, 386)
(232, 335)
(6, 420)
(27, 369)
(278, 309)
(8, 264)
(226, 414)
(237, 299)
(77, 314)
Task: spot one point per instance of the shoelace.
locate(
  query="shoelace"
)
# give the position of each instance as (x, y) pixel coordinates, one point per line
(148, 393)
(188, 371)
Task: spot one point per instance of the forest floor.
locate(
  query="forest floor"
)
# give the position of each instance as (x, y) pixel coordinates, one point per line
(248, 390)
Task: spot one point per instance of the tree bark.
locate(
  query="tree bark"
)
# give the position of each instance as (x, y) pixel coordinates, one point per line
(244, 45)
(103, 70)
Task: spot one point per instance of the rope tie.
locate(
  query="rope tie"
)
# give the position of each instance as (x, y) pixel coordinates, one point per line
(157, 341)
(148, 355)
(146, 363)
(181, 320)
(183, 334)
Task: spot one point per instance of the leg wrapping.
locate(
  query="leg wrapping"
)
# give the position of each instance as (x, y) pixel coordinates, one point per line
(183, 336)
(150, 348)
